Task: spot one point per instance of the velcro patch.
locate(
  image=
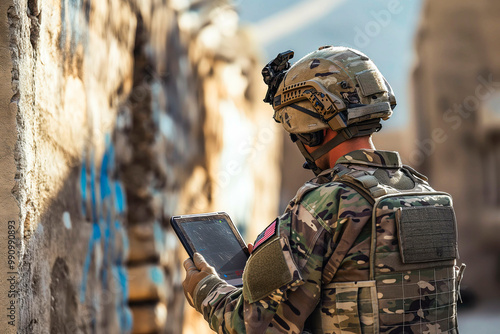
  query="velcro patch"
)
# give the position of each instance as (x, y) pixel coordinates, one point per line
(427, 234)
(371, 82)
(266, 271)
(269, 232)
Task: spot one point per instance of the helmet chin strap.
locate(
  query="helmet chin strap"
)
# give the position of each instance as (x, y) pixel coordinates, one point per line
(356, 130)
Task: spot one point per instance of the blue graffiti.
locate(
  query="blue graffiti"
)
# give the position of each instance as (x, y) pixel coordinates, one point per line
(157, 275)
(75, 16)
(107, 210)
(83, 187)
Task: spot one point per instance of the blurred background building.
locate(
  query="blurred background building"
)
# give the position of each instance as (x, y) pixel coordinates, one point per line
(116, 115)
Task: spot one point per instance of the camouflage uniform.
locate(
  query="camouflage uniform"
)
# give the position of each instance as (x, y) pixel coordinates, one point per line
(312, 273)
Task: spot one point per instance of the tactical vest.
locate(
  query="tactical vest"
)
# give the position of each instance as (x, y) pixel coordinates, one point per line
(413, 281)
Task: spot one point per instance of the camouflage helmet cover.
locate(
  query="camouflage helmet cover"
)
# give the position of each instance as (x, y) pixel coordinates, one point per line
(332, 87)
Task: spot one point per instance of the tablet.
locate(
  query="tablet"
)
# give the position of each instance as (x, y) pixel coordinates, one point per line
(214, 236)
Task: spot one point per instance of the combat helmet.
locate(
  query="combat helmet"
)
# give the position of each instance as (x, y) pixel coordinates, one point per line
(334, 88)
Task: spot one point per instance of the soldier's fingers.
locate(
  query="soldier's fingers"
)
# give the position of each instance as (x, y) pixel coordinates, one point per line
(199, 261)
(189, 265)
(203, 265)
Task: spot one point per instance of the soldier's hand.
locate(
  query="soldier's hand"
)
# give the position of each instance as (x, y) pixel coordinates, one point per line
(250, 248)
(195, 272)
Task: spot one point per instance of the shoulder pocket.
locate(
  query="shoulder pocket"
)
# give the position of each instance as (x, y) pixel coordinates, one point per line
(270, 272)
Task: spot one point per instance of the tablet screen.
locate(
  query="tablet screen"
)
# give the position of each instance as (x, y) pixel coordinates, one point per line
(215, 240)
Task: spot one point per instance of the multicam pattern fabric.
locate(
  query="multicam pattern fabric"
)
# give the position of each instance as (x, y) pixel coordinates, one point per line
(327, 229)
(414, 298)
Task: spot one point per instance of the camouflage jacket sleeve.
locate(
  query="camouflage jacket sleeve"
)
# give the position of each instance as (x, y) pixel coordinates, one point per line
(286, 308)
(308, 233)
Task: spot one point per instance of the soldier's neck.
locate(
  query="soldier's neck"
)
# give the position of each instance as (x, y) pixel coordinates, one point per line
(348, 146)
(328, 160)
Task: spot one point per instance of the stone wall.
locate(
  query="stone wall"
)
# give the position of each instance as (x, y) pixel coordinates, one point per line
(115, 116)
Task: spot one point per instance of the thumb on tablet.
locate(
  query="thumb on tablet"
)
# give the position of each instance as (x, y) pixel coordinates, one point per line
(198, 260)
(201, 264)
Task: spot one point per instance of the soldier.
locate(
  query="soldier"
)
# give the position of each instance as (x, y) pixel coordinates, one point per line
(367, 246)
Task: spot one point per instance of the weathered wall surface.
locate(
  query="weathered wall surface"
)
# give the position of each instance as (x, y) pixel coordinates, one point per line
(456, 93)
(123, 114)
(9, 212)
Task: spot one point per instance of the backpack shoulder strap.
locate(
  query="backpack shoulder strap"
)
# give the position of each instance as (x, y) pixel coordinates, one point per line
(346, 177)
(363, 181)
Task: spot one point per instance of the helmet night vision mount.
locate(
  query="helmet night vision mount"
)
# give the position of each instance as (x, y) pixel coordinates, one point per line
(274, 72)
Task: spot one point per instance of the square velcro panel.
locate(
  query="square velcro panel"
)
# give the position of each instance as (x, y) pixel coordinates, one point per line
(371, 82)
(427, 234)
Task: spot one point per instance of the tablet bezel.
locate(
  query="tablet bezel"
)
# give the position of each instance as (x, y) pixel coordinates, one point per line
(178, 221)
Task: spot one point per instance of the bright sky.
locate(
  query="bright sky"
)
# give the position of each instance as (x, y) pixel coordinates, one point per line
(383, 29)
